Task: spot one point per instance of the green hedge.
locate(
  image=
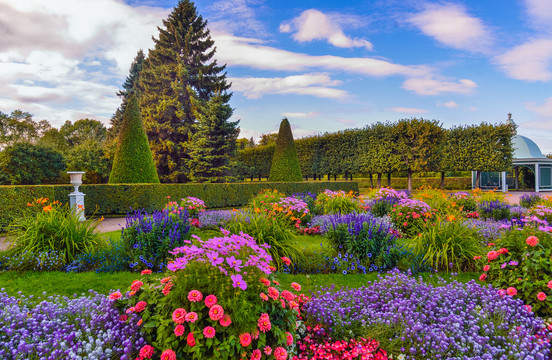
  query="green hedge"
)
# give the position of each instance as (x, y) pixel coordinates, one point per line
(451, 183)
(117, 199)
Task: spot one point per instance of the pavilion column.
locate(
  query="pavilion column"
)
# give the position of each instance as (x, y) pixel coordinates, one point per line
(537, 178)
(516, 181)
(504, 184)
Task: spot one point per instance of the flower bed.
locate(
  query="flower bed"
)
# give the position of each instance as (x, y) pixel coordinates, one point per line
(413, 320)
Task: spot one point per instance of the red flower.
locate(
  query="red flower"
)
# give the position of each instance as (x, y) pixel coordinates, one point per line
(483, 277)
(190, 339)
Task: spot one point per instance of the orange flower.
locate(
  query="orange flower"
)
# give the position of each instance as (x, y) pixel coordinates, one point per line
(47, 208)
(29, 204)
(451, 218)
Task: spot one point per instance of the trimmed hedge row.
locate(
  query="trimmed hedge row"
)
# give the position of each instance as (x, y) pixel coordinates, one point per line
(451, 183)
(117, 199)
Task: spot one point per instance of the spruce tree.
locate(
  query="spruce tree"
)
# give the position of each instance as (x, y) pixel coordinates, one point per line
(214, 141)
(133, 162)
(285, 163)
(179, 68)
(130, 86)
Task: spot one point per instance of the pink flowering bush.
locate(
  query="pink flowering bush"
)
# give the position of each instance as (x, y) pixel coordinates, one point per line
(410, 215)
(192, 205)
(219, 300)
(520, 265)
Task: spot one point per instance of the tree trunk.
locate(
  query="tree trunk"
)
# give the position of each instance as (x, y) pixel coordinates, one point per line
(351, 176)
(477, 179)
(306, 178)
(346, 176)
(371, 181)
(335, 177)
(259, 177)
(328, 177)
(442, 180)
(409, 180)
(251, 177)
(379, 180)
(389, 179)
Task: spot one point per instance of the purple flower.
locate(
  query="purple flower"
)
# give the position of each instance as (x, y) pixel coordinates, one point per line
(237, 281)
(234, 263)
(214, 257)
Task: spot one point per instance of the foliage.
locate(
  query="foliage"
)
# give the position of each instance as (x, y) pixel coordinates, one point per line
(19, 127)
(109, 258)
(214, 219)
(148, 238)
(257, 161)
(130, 87)
(465, 201)
(85, 327)
(26, 260)
(529, 200)
(25, 164)
(53, 227)
(268, 228)
(377, 155)
(416, 144)
(265, 199)
(450, 321)
(221, 300)
(285, 163)
(520, 265)
(410, 216)
(448, 245)
(488, 195)
(213, 144)
(336, 202)
(90, 157)
(133, 162)
(118, 198)
(180, 67)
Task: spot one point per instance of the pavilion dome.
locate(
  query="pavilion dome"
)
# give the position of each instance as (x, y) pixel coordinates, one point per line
(525, 148)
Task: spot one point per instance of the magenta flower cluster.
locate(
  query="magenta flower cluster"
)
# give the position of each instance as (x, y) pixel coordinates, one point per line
(230, 254)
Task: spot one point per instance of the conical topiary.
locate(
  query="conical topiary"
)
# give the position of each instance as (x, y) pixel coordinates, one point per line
(285, 163)
(133, 161)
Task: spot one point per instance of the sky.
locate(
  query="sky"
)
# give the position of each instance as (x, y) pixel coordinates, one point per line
(325, 65)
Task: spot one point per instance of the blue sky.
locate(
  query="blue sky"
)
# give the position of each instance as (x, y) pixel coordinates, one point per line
(326, 65)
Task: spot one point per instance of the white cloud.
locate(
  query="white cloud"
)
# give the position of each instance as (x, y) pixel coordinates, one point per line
(428, 86)
(239, 51)
(70, 52)
(540, 11)
(408, 110)
(544, 111)
(452, 26)
(530, 61)
(307, 84)
(346, 121)
(315, 25)
(449, 104)
(300, 114)
(235, 16)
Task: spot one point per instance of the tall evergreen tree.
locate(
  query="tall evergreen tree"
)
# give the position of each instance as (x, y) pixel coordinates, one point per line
(133, 162)
(130, 86)
(180, 66)
(213, 144)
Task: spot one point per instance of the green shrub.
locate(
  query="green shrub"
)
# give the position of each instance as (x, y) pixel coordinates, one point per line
(521, 260)
(117, 199)
(53, 227)
(133, 162)
(336, 202)
(410, 216)
(109, 258)
(266, 229)
(285, 163)
(215, 305)
(447, 243)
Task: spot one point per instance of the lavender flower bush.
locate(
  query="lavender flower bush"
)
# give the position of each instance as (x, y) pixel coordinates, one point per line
(214, 219)
(86, 327)
(530, 200)
(422, 321)
(150, 237)
(496, 210)
(489, 229)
